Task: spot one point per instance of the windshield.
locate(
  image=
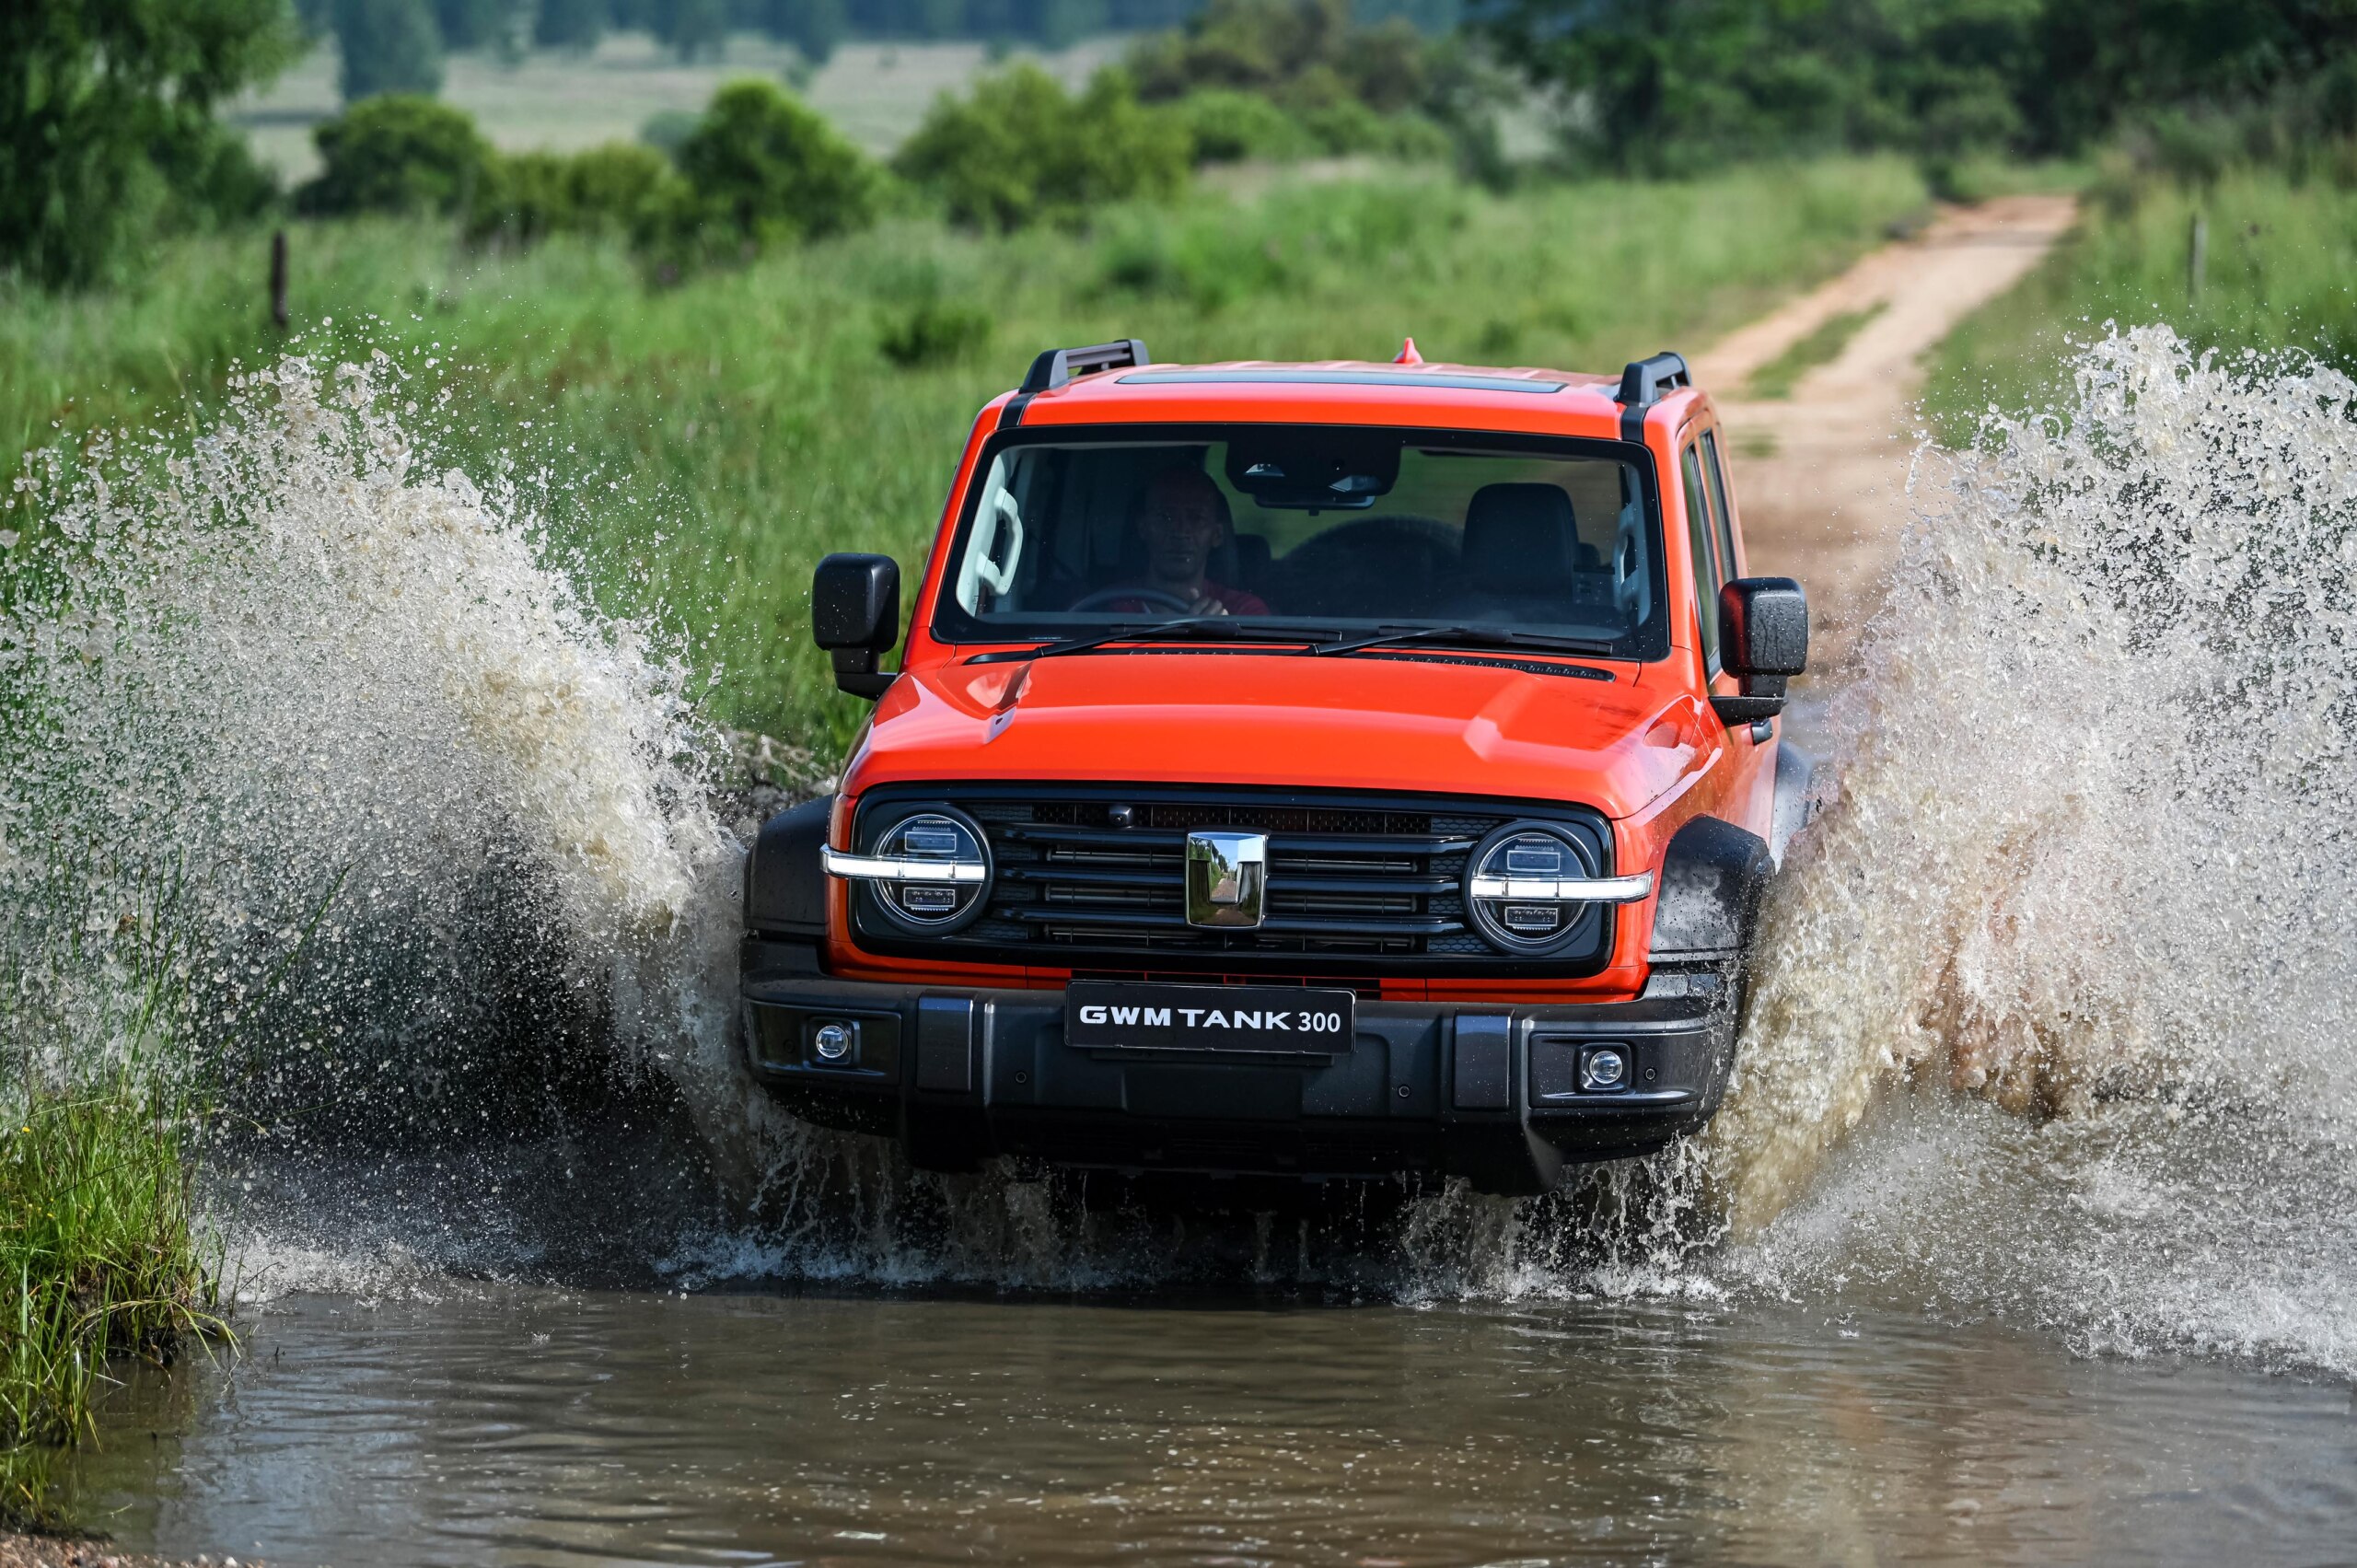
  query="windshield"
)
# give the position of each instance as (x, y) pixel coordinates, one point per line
(1324, 533)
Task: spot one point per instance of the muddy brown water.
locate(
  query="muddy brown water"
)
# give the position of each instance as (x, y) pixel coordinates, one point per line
(532, 1425)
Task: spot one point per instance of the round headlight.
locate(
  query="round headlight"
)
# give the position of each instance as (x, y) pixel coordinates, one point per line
(940, 837)
(1533, 855)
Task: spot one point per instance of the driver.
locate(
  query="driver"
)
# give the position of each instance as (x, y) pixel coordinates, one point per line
(1181, 517)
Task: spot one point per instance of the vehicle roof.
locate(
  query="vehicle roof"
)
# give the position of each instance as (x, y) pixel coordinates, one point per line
(1430, 394)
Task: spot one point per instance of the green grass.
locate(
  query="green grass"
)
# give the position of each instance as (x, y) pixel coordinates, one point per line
(101, 1257)
(699, 448)
(2281, 272)
(1823, 346)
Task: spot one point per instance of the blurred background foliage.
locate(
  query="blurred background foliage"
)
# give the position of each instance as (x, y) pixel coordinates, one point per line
(748, 320)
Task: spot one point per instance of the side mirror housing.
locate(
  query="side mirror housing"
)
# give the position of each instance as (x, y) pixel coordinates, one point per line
(855, 616)
(1763, 641)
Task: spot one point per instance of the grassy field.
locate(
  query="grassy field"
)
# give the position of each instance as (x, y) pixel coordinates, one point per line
(703, 445)
(2280, 272)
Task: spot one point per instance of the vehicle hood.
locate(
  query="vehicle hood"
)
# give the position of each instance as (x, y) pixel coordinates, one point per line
(1472, 726)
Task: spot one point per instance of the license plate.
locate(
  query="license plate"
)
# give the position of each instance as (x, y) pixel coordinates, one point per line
(1103, 1014)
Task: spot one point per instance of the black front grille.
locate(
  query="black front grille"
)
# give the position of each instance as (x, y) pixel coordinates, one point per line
(1355, 882)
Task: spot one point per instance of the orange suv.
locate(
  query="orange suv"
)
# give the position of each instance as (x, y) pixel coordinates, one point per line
(1308, 770)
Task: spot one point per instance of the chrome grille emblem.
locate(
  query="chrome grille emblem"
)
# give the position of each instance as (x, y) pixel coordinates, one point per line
(1227, 877)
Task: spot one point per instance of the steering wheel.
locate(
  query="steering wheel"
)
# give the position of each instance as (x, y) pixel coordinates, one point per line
(1149, 597)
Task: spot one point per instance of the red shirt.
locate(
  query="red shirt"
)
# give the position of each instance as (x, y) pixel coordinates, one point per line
(1231, 601)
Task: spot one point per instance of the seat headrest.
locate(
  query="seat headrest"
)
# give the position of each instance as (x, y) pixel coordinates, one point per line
(1522, 538)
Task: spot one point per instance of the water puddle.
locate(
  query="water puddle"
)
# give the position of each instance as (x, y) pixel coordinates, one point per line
(542, 1426)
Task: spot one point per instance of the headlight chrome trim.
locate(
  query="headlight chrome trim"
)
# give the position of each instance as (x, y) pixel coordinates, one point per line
(1535, 907)
(1633, 889)
(930, 874)
(879, 868)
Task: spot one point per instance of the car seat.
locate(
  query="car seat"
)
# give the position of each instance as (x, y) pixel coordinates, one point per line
(1522, 556)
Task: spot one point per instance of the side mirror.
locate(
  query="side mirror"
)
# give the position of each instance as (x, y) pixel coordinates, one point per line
(855, 616)
(1763, 639)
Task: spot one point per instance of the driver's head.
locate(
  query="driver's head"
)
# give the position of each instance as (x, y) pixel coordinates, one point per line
(1182, 517)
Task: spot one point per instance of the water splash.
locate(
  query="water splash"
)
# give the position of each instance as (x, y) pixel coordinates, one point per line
(2049, 1022)
(322, 728)
(2087, 856)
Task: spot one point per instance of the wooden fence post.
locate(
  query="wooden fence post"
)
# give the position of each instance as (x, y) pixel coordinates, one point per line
(278, 279)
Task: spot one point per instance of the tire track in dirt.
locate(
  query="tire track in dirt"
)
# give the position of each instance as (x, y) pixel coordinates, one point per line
(1823, 473)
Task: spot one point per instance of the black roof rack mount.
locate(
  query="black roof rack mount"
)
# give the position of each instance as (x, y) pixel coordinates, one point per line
(1057, 367)
(1646, 381)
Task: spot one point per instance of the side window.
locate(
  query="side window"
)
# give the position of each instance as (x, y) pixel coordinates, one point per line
(1722, 514)
(1706, 572)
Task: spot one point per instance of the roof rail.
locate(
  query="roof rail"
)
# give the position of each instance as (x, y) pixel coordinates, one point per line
(1057, 367)
(1646, 381)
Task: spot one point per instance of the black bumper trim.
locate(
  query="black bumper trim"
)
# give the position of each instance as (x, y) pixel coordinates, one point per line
(1487, 1091)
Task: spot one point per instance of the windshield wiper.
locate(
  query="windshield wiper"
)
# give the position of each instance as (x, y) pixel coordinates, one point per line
(1222, 628)
(1476, 636)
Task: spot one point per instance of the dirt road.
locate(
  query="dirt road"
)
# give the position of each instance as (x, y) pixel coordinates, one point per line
(1823, 472)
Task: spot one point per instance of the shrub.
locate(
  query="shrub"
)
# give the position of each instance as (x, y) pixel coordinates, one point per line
(763, 168)
(1226, 126)
(615, 188)
(1021, 149)
(397, 153)
(1349, 126)
(668, 130)
(934, 331)
(524, 198)
(213, 178)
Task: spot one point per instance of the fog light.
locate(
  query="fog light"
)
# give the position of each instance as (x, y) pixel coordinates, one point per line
(832, 1042)
(1605, 1067)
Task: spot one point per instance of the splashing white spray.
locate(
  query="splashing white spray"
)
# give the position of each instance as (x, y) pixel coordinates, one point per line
(2087, 855)
(325, 727)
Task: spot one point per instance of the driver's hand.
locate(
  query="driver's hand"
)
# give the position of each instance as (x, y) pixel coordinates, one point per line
(1207, 605)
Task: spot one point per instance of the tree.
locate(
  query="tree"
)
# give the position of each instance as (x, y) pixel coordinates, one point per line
(763, 168)
(96, 98)
(569, 24)
(388, 46)
(692, 26)
(813, 26)
(480, 24)
(1665, 83)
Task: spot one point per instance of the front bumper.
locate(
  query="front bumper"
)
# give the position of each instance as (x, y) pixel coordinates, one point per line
(1489, 1092)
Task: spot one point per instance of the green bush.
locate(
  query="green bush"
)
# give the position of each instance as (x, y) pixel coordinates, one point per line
(1349, 126)
(213, 177)
(615, 188)
(1022, 149)
(1227, 126)
(397, 153)
(764, 169)
(934, 331)
(523, 199)
(668, 130)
